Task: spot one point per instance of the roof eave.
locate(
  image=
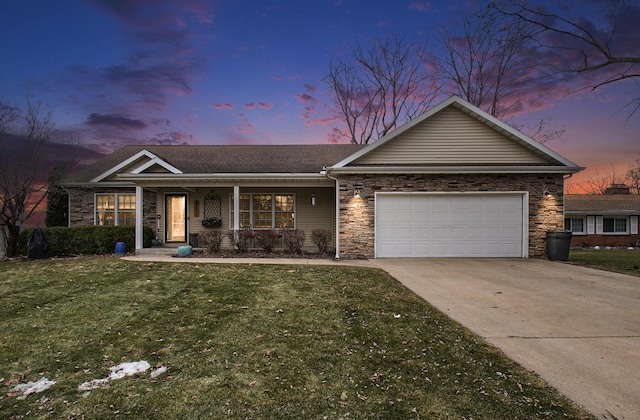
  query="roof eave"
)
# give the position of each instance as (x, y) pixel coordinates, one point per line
(218, 176)
(454, 169)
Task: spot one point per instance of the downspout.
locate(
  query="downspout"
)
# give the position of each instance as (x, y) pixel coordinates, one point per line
(326, 173)
(564, 209)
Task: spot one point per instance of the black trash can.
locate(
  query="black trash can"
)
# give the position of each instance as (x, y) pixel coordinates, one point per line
(558, 245)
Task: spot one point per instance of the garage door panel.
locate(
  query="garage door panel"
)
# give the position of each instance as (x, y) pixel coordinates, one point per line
(475, 225)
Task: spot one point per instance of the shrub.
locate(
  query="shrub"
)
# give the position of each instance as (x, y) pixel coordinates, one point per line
(240, 239)
(293, 240)
(86, 240)
(212, 239)
(267, 239)
(322, 238)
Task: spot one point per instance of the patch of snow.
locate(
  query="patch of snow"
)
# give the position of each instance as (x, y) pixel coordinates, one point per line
(24, 390)
(96, 383)
(157, 372)
(117, 372)
(128, 369)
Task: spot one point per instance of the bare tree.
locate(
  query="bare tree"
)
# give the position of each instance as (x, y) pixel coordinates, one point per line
(633, 176)
(381, 87)
(486, 63)
(610, 53)
(600, 181)
(23, 135)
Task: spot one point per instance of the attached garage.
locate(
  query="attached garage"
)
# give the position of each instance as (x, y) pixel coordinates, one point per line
(451, 224)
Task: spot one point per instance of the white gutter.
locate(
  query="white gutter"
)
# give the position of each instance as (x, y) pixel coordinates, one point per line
(326, 173)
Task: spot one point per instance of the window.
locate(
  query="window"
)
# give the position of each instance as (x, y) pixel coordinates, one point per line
(575, 225)
(612, 225)
(115, 209)
(265, 211)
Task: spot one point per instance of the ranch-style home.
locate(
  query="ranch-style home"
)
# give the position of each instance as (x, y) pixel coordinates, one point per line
(454, 182)
(609, 219)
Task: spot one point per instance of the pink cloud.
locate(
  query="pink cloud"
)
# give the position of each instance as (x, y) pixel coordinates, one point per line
(305, 98)
(264, 105)
(223, 106)
(277, 77)
(250, 106)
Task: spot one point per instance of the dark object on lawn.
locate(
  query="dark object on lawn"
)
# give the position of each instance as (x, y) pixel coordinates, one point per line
(120, 249)
(38, 245)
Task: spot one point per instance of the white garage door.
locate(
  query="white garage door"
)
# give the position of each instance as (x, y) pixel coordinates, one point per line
(449, 225)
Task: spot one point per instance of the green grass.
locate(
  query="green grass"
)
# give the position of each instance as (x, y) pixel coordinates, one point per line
(626, 261)
(247, 341)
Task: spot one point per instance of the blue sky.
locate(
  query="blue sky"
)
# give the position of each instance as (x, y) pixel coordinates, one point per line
(117, 72)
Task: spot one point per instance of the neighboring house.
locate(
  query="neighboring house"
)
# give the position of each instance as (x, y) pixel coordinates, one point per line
(609, 219)
(454, 182)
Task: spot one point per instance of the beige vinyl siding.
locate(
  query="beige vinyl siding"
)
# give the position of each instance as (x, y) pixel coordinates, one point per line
(450, 137)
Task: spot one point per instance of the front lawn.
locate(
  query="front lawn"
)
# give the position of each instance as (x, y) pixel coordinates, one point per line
(245, 341)
(626, 261)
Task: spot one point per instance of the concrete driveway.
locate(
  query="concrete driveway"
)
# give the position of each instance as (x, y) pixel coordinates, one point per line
(578, 328)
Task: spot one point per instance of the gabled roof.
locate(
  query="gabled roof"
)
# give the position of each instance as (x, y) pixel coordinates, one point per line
(600, 204)
(455, 137)
(215, 159)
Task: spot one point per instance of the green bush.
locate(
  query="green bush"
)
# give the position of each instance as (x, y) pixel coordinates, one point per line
(86, 240)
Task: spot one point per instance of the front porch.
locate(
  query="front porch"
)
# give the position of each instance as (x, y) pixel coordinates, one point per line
(184, 213)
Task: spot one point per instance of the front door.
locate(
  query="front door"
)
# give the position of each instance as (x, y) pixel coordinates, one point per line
(176, 217)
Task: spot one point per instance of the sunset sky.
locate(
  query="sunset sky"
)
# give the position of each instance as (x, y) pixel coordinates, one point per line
(117, 72)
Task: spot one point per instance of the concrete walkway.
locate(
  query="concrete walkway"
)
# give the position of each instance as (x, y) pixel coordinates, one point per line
(578, 328)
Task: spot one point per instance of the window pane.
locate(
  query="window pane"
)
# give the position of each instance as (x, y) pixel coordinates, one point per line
(575, 225)
(262, 211)
(283, 212)
(105, 209)
(126, 209)
(621, 225)
(608, 225)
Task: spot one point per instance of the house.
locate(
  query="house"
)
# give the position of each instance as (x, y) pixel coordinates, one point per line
(454, 182)
(609, 219)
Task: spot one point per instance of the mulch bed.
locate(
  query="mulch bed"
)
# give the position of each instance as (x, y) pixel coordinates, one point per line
(254, 253)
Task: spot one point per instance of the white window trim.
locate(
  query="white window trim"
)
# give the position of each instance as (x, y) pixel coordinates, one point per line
(600, 226)
(273, 208)
(115, 209)
(584, 226)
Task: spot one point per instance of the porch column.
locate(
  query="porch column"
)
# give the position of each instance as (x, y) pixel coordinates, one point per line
(139, 226)
(236, 208)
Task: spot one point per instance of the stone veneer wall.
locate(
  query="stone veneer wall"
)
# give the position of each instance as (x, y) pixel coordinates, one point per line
(81, 211)
(357, 217)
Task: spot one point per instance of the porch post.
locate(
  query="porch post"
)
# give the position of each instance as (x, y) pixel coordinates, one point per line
(236, 209)
(139, 226)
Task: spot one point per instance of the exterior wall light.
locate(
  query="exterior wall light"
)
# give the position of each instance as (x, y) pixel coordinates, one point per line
(546, 193)
(313, 199)
(356, 192)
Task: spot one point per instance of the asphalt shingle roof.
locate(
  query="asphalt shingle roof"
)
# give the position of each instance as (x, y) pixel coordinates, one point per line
(601, 203)
(206, 159)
